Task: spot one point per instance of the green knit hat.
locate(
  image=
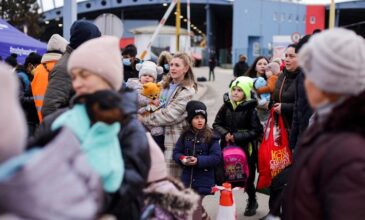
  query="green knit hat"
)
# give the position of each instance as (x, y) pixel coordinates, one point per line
(245, 83)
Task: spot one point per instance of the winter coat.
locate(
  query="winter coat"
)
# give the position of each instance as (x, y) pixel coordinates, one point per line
(55, 182)
(284, 93)
(130, 72)
(127, 202)
(242, 122)
(240, 68)
(271, 82)
(172, 117)
(212, 63)
(201, 176)
(327, 180)
(26, 98)
(59, 90)
(40, 83)
(99, 142)
(301, 113)
(168, 199)
(143, 101)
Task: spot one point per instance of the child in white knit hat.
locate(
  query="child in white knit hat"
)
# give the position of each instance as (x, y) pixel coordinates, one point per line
(148, 72)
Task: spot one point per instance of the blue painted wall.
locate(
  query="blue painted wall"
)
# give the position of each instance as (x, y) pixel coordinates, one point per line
(259, 20)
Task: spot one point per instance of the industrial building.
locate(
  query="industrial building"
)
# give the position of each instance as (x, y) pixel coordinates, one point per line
(228, 27)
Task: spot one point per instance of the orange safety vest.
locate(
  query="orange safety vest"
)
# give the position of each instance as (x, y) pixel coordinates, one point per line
(40, 83)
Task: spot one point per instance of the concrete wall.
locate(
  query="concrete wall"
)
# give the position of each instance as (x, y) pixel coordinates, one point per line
(255, 22)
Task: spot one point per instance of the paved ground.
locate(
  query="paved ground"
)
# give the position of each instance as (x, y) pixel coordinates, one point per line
(211, 93)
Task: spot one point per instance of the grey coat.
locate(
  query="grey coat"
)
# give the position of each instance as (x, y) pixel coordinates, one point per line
(59, 90)
(56, 183)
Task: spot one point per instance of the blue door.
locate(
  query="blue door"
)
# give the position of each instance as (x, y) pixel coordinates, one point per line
(254, 48)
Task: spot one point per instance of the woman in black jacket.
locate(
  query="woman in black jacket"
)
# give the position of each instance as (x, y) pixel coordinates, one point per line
(283, 103)
(284, 93)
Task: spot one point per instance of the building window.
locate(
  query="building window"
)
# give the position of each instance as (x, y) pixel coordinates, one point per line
(312, 20)
(275, 16)
(282, 17)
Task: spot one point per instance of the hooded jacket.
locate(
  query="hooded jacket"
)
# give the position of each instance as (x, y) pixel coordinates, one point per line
(201, 176)
(59, 90)
(127, 203)
(242, 122)
(170, 200)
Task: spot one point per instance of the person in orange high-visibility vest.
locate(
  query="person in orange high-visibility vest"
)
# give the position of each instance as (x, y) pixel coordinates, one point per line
(55, 48)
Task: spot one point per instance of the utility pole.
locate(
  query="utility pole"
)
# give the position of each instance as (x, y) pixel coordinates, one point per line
(189, 28)
(69, 16)
(331, 24)
(178, 24)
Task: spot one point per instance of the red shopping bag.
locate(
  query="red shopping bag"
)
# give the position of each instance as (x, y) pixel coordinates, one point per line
(274, 152)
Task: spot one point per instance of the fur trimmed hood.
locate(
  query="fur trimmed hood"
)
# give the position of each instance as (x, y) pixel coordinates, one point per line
(171, 195)
(51, 57)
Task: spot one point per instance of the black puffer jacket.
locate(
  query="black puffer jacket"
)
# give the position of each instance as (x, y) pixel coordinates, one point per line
(301, 113)
(284, 93)
(242, 122)
(127, 202)
(27, 102)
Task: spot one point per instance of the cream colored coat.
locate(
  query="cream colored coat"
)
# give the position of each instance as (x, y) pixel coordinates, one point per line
(172, 118)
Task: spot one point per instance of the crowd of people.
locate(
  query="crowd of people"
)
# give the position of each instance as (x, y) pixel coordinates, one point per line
(78, 139)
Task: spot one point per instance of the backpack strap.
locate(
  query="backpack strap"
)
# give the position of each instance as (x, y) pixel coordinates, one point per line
(45, 67)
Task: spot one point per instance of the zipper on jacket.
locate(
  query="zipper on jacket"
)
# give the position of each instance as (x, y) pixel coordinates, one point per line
(192, 167)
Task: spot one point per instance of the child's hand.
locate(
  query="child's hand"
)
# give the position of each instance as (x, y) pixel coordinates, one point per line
(192, 161)
(229, 138)
(188, 160)
(277, 108)
(232, 138)
(156, 102)
(140, 117)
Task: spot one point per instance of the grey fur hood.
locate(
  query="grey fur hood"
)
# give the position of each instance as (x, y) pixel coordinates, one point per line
(172, 196)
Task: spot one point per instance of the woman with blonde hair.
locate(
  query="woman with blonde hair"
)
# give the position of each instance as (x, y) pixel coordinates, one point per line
(179, 87)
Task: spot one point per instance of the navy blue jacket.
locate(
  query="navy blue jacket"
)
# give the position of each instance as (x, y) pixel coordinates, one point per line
(201, 176)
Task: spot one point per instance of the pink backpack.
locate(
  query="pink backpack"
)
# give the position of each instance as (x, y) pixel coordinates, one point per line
(235, 164)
